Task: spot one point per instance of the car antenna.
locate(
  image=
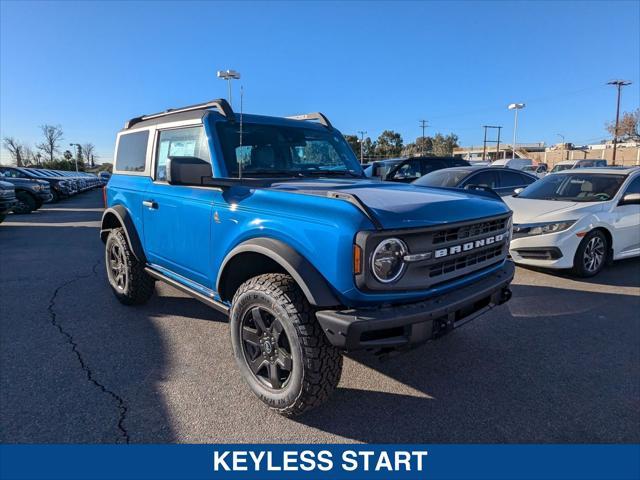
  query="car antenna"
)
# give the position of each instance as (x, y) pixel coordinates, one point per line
(240, 162)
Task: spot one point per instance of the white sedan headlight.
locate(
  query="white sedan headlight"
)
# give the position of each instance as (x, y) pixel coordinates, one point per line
(542, 228)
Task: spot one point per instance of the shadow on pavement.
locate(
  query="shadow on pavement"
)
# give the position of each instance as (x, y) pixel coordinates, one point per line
(567, 377)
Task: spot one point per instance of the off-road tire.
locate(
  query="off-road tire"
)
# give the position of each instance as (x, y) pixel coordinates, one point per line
(56, 196)
(580, 268)
(317, 365)
(2, 217)
(26, 203)
(137, 286)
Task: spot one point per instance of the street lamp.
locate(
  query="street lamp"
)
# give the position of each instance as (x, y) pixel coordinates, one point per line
(516, 107)
(362, 133)
(619, 84)
(79, 147)
(228, 75)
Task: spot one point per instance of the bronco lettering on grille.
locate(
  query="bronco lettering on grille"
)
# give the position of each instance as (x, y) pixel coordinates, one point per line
(465, 247)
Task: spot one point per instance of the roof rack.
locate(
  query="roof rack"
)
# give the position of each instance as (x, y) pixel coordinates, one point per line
(221, 104)
(313, 116)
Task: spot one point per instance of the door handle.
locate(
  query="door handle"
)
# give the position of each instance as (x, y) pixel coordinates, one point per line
(150, 204)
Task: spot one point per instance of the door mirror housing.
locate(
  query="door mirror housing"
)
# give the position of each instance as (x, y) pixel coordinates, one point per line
(630, 199)
(187, 170)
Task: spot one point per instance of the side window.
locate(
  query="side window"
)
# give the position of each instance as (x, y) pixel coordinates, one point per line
(514, 179)
(409, 169)
(432, 166)
(484, 179)
(132, 152)
(634, 186)
(180, 142)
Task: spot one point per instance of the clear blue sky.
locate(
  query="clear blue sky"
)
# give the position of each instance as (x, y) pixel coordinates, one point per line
(89, 66)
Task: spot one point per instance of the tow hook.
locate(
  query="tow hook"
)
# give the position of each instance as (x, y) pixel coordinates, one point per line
(505, 295)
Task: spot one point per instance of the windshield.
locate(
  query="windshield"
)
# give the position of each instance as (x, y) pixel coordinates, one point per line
(575, 187)
(283, 150)
(559, 168)
(448, 177)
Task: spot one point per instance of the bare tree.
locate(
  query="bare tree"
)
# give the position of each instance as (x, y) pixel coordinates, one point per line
(51, 143)
(88, 150)
(628, 128)
(15, 149)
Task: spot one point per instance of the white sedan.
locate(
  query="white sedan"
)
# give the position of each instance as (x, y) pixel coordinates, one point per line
(578, 219)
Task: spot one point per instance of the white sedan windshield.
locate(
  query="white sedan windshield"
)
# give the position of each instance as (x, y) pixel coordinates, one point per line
(575, 187)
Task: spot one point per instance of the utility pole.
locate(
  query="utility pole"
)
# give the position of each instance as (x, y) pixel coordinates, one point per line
(423, 125)
(619, 84)
(516, 107)
(362, 133)
(228, 75)
(484, 144)
(563, 144)
(79, 149)
(498, 144)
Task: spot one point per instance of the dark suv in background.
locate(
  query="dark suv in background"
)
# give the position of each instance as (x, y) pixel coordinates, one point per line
(31, 193)
(406, 170)
(59, 185)
(7, 199)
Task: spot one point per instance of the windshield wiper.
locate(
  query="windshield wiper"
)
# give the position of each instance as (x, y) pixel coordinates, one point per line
(271, 171)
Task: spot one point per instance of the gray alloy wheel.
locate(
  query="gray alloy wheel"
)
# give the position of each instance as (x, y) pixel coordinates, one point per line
(592, 254)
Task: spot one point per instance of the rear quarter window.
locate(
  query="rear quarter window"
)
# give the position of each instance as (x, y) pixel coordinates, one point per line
(132, 152)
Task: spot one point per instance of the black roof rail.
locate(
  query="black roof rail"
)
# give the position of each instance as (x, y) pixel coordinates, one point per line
(321, 117)
(221, 104)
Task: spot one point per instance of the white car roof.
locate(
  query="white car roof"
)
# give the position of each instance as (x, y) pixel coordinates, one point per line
(602, 170)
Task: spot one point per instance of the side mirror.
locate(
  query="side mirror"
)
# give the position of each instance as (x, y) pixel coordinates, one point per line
(187, 170)
(518, 191)
(630, 199)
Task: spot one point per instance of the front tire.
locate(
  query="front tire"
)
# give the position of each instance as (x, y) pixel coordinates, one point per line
(26, 203)
(281, 351)
(591, 255)
(129, 282)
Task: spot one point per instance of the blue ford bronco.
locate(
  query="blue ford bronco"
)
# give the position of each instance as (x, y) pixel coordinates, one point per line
(272, 222)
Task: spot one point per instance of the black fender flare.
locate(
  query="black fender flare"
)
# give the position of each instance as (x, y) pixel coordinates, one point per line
(120, 214)
(314, 286)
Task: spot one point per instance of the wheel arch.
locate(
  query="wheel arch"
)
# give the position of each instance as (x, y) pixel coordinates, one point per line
(266, 255)
(119, 217)
(609, 237)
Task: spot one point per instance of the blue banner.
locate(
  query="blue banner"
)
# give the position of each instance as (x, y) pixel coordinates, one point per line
(333, 462)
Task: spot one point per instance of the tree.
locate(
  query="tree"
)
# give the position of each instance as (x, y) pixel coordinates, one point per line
(422, 145)
(389, 144)
(443, 145)
(354, 143)
(628, 127)
(15, 149)
(88, 150)
(52, 137)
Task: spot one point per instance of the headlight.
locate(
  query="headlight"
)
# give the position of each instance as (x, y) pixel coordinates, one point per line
(63, 184)
(387, 261)
(554, 227)
(37, 187)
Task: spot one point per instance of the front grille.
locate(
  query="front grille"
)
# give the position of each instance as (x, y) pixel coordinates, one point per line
(480, 257)
(467, 231)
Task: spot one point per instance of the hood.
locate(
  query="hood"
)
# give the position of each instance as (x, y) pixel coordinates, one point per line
(526, 210)
(398, 205)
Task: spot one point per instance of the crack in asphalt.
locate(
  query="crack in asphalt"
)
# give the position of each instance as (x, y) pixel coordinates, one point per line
(122, 408)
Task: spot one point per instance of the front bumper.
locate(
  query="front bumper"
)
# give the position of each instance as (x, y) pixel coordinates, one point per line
(401, 325)
(46, 197)
(554, 250)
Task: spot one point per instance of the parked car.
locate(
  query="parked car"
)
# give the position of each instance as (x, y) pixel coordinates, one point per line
(577, 219)
(584, 163)
(58, 185)
(503, 181)
(8, 199)
(281, 230)
(513, 163)
(539, 170)
(406, 170)
(31, 193)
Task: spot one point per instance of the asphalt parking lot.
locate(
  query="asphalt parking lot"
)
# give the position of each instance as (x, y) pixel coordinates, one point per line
(559, 363)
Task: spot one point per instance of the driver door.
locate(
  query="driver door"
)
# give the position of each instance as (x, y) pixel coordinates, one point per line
(626, 223)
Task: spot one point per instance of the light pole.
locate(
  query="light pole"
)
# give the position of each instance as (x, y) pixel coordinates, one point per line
(563, 144)
(79, 147)
(619, 84)
(516, 107)
(228, 75)
(361, 132)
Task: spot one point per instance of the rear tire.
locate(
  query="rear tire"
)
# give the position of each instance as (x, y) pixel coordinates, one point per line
(26, 203)
(591, 256)
(281, 351)
(129, 282)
